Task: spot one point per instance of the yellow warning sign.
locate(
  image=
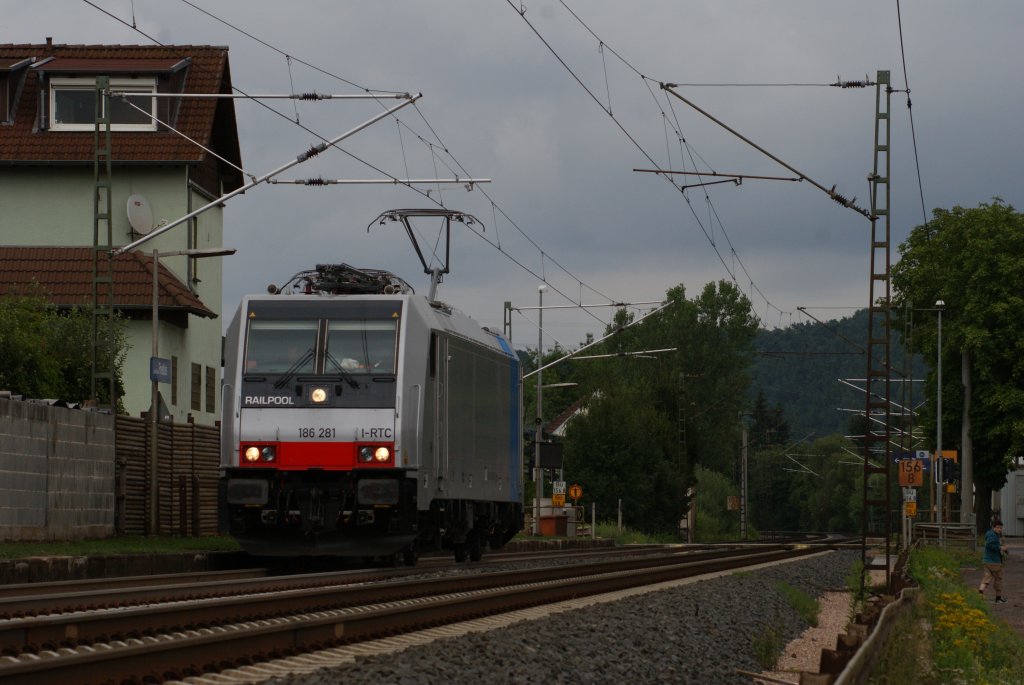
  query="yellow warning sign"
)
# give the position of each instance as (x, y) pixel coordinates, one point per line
(910, 509)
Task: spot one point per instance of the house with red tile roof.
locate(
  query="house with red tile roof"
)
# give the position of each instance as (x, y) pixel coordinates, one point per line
(168, 156)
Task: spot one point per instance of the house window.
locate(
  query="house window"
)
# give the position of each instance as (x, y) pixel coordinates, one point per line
(211, 389)
(73, 104)
(174, 381)
(197, 387)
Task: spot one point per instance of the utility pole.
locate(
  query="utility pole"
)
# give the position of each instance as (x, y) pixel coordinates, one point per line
(877, 388)
(538, 473)
(743, 481)
(940, 480)
(103, 387)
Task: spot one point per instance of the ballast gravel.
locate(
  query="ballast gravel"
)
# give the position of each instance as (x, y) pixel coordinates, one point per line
(699, 633)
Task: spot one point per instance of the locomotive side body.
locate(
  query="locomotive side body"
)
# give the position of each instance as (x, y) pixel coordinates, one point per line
(367, 425)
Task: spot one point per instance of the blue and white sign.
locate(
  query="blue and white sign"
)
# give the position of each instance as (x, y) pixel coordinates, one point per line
(923, 455)
(160, 370)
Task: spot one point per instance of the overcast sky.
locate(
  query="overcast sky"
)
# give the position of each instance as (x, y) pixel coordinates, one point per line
(565, 202)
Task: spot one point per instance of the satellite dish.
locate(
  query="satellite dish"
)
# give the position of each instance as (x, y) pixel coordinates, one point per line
(140, 214)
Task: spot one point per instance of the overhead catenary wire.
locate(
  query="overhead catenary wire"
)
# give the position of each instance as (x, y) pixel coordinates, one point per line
(259, 102)
(616, 331)
(468, 182)
(831, 192)
(605, 47)
(910, 113)
(422, 139)
(522, 13)
(174, 130)
(311, 152)
(426, 195)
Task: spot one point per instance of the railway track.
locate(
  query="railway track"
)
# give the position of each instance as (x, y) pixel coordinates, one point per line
(33, 599)
(186, 637)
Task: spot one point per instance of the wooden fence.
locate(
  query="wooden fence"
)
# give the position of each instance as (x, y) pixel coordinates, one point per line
(188, 458)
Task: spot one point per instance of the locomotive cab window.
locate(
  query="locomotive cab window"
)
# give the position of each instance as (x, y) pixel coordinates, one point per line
(281, 346)
(362, 346)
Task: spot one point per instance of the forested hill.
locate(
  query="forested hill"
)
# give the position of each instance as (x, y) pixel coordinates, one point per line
(798, 368)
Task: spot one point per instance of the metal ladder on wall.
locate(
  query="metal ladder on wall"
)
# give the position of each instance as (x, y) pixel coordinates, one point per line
(103, 379)
(878, 407)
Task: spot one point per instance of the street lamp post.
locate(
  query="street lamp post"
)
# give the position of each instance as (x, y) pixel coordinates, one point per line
(939, 476)
(538, 474)
(153, 362)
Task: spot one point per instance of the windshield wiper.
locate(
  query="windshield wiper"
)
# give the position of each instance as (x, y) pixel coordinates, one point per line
(345, 375)
(293, 369)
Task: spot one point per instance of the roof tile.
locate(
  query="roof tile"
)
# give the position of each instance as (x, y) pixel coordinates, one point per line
(65, 274)
(22, 143)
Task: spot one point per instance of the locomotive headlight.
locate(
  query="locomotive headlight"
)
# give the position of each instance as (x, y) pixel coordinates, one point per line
(256, 453)
(318, 395)
(374, 453)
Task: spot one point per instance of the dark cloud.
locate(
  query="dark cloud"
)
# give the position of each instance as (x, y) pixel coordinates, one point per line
(562, 169)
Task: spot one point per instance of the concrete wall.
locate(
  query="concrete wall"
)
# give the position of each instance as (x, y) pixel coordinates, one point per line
(56, 472)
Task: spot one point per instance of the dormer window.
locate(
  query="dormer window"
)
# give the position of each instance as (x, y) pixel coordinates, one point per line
(12, 76)
(73, 104)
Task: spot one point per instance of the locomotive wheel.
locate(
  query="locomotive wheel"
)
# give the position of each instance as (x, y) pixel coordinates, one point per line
(460, 552)
(410, 556)
(476, 548)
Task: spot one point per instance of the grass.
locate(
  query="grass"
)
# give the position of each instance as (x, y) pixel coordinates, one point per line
(128, 544)
(950, 635)
(768, 646)
(628, 536)
(805, 605)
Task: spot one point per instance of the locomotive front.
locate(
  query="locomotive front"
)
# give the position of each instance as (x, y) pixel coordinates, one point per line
(309, 463)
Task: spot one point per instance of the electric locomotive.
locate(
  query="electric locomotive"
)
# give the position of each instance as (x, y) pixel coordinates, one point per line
(361, 419)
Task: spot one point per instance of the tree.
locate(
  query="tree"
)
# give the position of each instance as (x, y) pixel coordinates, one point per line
(769, 426)
(650, 422)
(813, 487)
(45, 352)
(973, 260)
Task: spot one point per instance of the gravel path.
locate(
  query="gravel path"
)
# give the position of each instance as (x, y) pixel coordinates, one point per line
(698, 633)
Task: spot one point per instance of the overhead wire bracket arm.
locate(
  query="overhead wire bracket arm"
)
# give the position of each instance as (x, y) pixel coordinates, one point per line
(311, 152)
(734, 181)
(831, 192)
(268, 96)
(468, 182)
(718, 173)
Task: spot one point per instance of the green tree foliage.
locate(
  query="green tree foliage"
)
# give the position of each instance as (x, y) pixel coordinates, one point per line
(814, 486)
(714, 520)
(651, 421)
(973, 260)
(769, 426)
(46, 352)
(799, 367)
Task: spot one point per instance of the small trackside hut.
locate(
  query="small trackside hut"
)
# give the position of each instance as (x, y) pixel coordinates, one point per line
(361, 419)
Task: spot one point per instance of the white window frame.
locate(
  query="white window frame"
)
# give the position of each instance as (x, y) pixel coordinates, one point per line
(131, 85)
